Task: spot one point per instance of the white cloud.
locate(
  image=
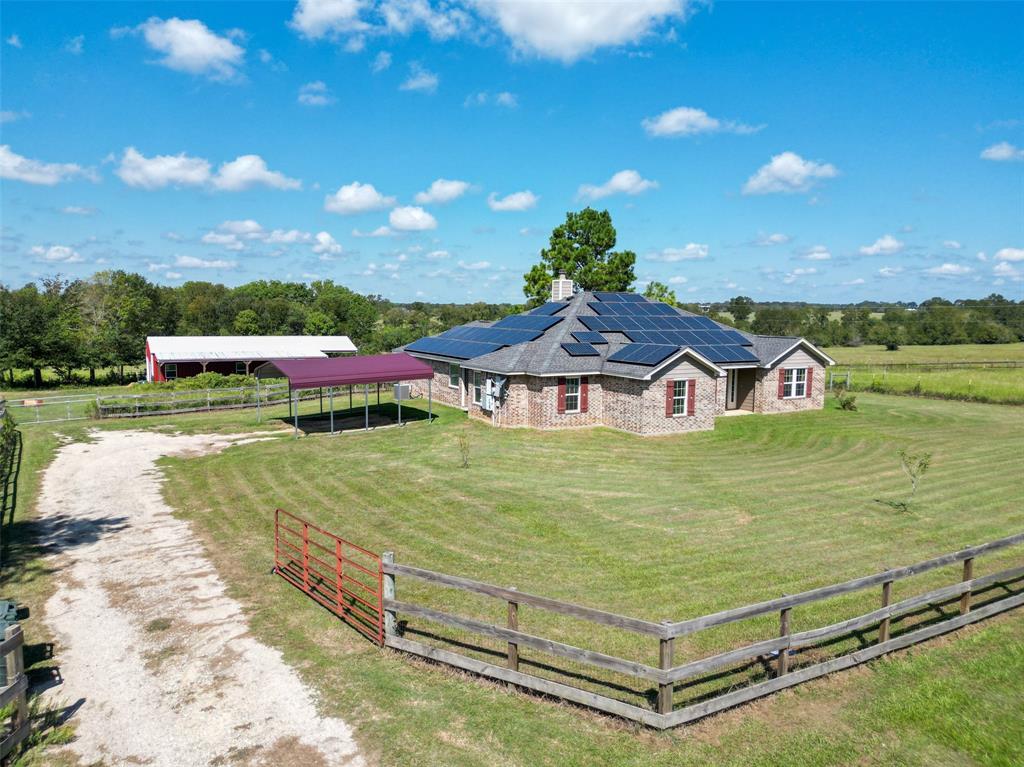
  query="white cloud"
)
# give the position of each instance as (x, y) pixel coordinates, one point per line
(890, 271)
(1005, 269)
(570, 30)
(797, 273)
(438, 255)
(75, 45)
(17, 168)
(624, 182)
(245, 228)
(56, 254)
(78, 210)
(767, 240)
(420, 79)
(14, 41)
(357, 198)
(474, 266)
(441, 22)
(159, 171)
(315, 94)
(227, 241)
(1010, 254)
(251, 170)
(858, 281)
(886, 245)
(381, 62)
(507, 100)
(692, 251)
(10, 115)
(817, 253)
(952, 245)
(191, 262)
(316, 19)
(411, 219)
(286, 237)
(441, 191)
(677, 280)
(188, 45)
(950, 270)
(516, 201)
(326, 245)
(688, 121)
(155, 267)
(1004, 151)
(788, 173)
(380, 231)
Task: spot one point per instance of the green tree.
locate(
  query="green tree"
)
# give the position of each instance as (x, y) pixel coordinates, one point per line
(247, 323)
(319, 324)
(659, 291)
(740, 307)
(582, 248)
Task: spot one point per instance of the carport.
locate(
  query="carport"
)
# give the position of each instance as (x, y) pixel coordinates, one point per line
(333, 372)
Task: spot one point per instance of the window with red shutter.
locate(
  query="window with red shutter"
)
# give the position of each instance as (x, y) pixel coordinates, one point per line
(691, 396)
(782, 382)
(670, 388)
(810, 380)
(584, 394)
(561, 395)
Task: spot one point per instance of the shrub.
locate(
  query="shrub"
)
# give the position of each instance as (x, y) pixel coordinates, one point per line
(845, 400)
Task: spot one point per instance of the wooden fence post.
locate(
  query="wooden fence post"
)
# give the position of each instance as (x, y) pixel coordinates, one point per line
(666, 649)
(390, 624)
(784, 631)
(965, 599)
(513, 623)
(883, 627)
(15, 668)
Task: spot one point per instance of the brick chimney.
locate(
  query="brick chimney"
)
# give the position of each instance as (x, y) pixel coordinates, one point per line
(561, 288)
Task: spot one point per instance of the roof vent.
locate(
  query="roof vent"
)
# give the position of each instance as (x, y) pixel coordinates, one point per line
(561, 288)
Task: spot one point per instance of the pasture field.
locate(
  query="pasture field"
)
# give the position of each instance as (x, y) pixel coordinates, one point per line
(653, 528)
(877, 355)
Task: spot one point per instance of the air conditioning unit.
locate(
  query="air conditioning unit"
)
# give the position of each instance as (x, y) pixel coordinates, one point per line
(402, 392)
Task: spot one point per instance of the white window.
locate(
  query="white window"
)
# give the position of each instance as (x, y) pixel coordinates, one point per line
(572, 395)
(454, 371)
(478, 387)
(679, 392)
(171, 371)
(794, 384)
(240, 368)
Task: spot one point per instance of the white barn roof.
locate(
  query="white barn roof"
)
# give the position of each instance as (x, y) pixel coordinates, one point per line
(201, 348)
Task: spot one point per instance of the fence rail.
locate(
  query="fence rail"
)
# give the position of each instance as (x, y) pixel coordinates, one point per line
(949, 365)
(67, 407)
(970, 599)
(16, 690)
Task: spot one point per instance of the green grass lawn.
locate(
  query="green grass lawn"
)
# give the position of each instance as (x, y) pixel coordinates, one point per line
(976, 384)
(655, 528)
(877, 355)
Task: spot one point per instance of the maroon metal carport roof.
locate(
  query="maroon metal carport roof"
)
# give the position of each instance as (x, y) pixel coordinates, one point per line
(320, 372)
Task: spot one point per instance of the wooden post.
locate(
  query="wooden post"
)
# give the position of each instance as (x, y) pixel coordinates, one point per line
(965, 599)
(883, 627)
(783, 632)
(15, 669)
(513, 623)
(390, 624)
(665, 651)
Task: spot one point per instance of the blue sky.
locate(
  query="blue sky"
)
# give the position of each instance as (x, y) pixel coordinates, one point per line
(826, 152)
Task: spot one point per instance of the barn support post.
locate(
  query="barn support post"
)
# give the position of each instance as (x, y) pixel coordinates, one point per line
(399, 398)
(366, 406)
(330, 403)
(388, 592)
(259, 414)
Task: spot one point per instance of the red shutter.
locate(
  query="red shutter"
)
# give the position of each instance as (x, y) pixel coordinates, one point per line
(782, 382)
(810, 380)
(669, 391)
(561, 395)
(584, 394)
(691, 397)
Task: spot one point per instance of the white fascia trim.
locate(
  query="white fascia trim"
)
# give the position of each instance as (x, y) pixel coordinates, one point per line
(806, 344)
(697, 356)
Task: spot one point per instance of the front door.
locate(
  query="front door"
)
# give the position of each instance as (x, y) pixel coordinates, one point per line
(730, 389)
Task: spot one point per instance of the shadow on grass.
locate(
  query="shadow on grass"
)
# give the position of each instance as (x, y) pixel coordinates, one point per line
(357, 418)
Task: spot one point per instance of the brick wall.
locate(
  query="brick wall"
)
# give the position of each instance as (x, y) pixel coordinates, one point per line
(442, 392)
(766, 386)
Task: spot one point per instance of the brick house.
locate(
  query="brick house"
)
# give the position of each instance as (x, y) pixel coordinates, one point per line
(617, 360)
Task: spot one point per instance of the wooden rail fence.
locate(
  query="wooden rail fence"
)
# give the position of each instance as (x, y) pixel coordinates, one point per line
(19, 726)
(663, 680)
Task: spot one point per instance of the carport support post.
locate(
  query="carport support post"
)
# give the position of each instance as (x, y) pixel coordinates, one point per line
(366, 405)
(321, 400)
(296, 414)
(430, 401)
(330, 401)
(399, 398)
(388, 583)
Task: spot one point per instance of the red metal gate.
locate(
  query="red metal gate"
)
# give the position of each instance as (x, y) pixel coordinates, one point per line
(345, 578)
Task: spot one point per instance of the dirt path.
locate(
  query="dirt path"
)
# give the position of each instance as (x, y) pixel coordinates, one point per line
(147, 637)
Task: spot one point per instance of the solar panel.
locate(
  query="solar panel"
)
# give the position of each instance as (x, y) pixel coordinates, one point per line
(589, 337)
(595, 323)
(632, 297)
(602, 309)
(527, 322)
(452, 347)
(551, 307)
(608, 296)
(580, 350)
(643, 354)
(503, 336)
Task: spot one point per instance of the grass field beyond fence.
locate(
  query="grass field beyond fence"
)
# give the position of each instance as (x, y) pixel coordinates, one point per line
(653, 528)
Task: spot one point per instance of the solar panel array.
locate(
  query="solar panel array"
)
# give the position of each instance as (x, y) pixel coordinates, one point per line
(551, 307)
(492, 335)
(631, 309)
(643, 354)
(589, 337)
(620, 323)
(452, 347)
(537, 322)
(620, 297)
(580, 350)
